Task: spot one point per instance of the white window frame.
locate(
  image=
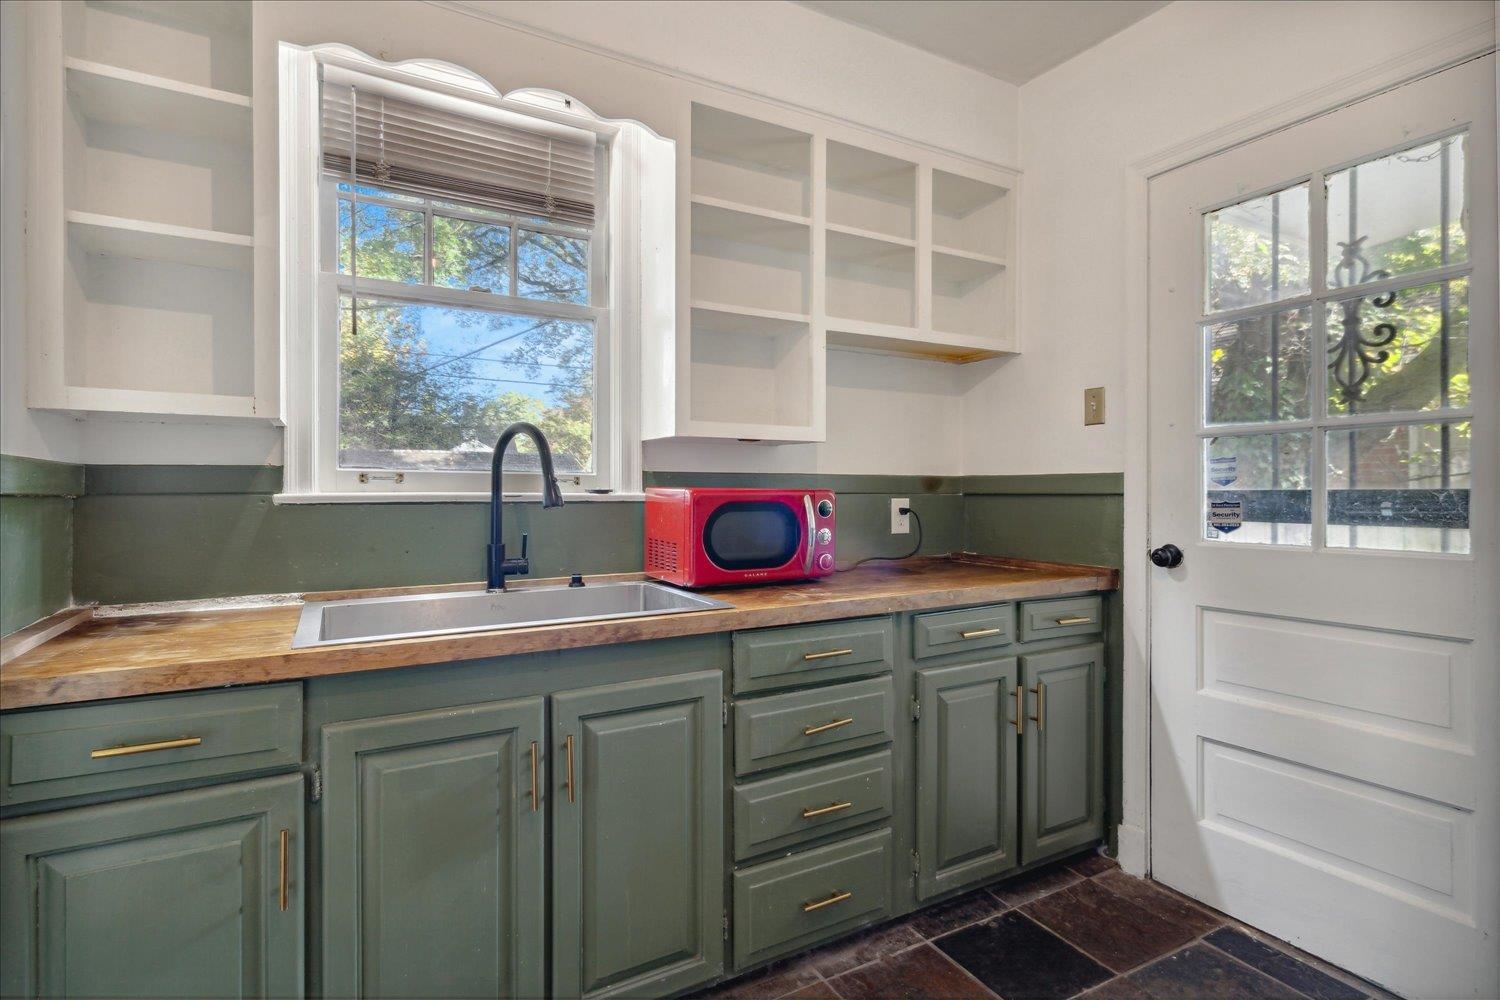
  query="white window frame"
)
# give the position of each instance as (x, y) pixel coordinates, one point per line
(626, 294)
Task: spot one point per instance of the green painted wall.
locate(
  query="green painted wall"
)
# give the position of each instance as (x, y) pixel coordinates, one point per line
(36, 538)
(1063, 518)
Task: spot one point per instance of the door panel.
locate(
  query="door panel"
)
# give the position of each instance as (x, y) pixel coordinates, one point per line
(1323, 656)
(433, 857)
(638, 836)
(169, 896)
(966, 785)
(1063, 787)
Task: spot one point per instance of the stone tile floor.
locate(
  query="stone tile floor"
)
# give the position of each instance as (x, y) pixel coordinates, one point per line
(1078, 928)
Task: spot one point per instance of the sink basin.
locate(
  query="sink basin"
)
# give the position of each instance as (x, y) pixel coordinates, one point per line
(325, 623)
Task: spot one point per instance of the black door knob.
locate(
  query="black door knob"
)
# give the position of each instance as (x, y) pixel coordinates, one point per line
(1167, 556)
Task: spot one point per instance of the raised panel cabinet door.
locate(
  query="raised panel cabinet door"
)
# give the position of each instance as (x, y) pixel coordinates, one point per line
(433, 853)
(1062, 797)
(193, 894)
(637, 837)
(966, 774)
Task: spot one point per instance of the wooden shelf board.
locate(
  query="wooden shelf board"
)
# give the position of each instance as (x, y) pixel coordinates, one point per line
(721, 220)
(141, 402)
(949, 264)
(125, 97)
(909, 341)
(723, 134)
(116, 237)
(719, 317)
(742, 208)
(871, 250)
(858, 170)
(872, 235)
(956, 196)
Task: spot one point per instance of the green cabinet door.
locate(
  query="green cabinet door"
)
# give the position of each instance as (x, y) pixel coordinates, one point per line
(193, 894)
(637, 837)
(966, 774)
(433, 857)
(1063, 785)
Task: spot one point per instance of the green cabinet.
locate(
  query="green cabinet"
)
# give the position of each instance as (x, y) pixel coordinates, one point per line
(433, 856)
(966, 773)
(637, 836)
(1063, 782)
(192, 894)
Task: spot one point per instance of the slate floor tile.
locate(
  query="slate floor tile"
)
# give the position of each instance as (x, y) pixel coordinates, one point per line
(863, 948)
(961, 911)
(1109, 926)
(777, 980)
(820, 990)
(1091, 864)
(1205, 973)
(1281, 966)
(1118, 988)
(1034, 885)
(1019, 960)
(916, 974)
(1161, 902)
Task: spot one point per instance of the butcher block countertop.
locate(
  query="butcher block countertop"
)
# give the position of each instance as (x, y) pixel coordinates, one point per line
(154, 652)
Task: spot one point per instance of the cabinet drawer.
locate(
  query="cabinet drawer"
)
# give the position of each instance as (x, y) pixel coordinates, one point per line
(789, 728)
(793, 902)
(958, 631)
(811, 654)
(790, 809)
(1056, 619)
(84, 749)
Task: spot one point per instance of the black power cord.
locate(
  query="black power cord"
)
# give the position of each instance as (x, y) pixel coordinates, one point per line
(914, 549)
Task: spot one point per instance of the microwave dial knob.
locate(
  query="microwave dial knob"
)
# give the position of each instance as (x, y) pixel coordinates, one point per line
(825, 508)
(825, 561)
(824, 536)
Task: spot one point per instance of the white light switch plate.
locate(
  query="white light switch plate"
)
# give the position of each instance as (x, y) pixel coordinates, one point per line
(900, 523)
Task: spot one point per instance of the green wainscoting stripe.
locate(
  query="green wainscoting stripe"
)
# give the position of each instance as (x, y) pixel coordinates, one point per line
(1101, 483)
(35, 477)
(892, 485)
(183, 479)
(36, 558)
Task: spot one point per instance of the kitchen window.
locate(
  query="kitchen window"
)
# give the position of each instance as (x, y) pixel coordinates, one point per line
(463, 266)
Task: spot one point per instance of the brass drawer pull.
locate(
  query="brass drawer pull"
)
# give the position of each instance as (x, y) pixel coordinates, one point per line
(1020, 709)
(837, 897)
(825, 727)
(827, 654)
(186, 741)
(282, 894)
(572, 785)
(1074, 620)
(825, 810)
(980, 633)
(1040, 718)
(535, 798)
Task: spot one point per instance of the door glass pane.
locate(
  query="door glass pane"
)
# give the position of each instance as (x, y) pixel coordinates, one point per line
(1404, 487)
(1258, 250)
(1406, 350)
(1257, 488)
(1398, 214)
(1258, 367)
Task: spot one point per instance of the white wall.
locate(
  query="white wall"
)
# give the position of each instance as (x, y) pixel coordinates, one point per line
(1186, 70)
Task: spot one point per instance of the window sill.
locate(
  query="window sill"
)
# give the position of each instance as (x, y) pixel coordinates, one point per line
(334, 498)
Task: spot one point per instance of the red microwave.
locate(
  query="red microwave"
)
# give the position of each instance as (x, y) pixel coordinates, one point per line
(713, 537)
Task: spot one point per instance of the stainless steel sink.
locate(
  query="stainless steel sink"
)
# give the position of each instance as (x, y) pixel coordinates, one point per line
(325, 623)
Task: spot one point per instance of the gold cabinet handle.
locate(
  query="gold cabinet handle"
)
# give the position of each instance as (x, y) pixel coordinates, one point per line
(1074, 620)
(572, 786)
(535, 797)
(1040, 718)
(281, 895)
(126, 751)
(827, 653)
(837, 897)
(1020, 722)
(825, 727)
(980, 633)
(825, 810)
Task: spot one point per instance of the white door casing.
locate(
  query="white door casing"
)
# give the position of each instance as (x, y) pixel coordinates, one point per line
(1325, 763)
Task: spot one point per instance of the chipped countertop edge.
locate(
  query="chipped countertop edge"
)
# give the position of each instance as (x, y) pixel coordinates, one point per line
(264, 653)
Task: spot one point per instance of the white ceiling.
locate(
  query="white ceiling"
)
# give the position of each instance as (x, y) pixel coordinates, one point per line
(1012, 40)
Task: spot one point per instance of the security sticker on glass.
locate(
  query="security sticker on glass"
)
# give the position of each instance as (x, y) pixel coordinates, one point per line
(1223, 470)
(1226, 515)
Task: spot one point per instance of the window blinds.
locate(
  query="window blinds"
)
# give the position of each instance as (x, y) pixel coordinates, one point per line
(547, 172)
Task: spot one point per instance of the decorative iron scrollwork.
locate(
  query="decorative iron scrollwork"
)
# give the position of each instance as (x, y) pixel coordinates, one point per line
(1356, 352)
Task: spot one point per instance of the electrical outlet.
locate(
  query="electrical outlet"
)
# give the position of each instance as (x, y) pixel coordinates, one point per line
(900, 523)
(1093, 406)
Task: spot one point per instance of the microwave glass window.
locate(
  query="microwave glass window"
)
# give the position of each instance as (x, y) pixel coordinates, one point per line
(752, 535)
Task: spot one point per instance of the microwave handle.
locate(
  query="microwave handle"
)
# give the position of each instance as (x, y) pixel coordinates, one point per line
(812, 535)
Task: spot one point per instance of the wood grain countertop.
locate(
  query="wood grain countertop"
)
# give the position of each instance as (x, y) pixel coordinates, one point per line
(155, 653)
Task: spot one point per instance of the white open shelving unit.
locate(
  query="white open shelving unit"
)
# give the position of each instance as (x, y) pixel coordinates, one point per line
(807, 236)
(142, 227)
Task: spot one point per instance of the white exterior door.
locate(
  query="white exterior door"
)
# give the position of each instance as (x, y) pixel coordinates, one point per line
(1324, 377)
